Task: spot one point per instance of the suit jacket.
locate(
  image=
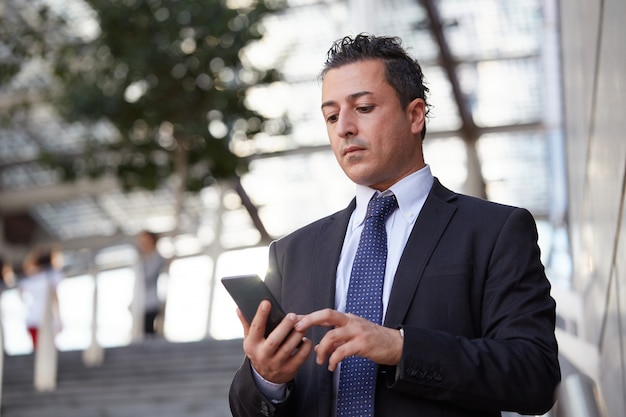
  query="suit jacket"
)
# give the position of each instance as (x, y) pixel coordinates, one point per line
(470, 293)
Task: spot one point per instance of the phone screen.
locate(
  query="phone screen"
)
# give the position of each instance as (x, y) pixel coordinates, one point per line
(248, 291)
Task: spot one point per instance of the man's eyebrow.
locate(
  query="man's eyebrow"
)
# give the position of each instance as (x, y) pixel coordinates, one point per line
(350, 97)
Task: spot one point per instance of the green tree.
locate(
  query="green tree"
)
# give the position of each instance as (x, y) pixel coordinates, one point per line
(169, 77)
(27, 33)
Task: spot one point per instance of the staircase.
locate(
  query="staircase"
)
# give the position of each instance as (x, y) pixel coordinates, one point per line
(153, 379)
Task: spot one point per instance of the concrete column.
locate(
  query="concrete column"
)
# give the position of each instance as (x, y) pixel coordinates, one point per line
(137, 307)
(474, 184)
(94, 354)
(45, 378)
(216, 249)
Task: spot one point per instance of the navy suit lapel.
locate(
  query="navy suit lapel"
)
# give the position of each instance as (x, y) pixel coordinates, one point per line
(326, 254)
(326, 259)
(428, 228)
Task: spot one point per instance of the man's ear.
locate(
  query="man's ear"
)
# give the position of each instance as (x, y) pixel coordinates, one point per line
(416, 114)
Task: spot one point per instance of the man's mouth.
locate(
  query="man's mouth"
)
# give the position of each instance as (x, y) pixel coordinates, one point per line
(352, 148)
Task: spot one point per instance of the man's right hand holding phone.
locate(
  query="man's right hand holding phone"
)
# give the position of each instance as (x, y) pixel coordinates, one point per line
(278, 357)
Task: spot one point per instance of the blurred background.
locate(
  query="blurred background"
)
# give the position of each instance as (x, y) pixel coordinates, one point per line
(200, 122)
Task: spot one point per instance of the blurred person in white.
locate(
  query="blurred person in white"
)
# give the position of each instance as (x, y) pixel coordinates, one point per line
(7, 280)
(147, 307)
(38, 289)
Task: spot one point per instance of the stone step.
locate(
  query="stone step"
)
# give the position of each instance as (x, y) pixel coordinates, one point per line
(155, 378)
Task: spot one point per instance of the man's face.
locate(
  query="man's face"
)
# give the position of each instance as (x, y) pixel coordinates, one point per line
(375, 140)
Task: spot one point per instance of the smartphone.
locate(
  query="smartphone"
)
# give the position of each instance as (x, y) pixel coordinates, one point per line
(248, 291)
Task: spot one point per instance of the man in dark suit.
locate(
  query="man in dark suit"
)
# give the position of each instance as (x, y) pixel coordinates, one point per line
(468, 321)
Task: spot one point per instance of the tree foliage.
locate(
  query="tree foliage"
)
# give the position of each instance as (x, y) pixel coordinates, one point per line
(27, 34)
(162, 88)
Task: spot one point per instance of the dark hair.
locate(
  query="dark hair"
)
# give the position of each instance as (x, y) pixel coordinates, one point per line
(43, 258)
(403, 73)
(154, 237)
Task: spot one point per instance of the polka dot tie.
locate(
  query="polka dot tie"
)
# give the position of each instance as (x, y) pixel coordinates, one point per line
(357, 381)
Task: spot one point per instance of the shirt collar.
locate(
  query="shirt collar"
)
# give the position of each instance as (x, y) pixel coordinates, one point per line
(411, 192)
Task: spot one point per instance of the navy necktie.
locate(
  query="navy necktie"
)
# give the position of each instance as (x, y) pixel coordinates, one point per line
(357, 380)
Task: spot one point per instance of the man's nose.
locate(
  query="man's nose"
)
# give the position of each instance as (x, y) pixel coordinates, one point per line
(346, 126)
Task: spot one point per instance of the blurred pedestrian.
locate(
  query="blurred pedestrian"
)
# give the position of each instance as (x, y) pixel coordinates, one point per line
(7, 280)
(147, 305)
(38, 288)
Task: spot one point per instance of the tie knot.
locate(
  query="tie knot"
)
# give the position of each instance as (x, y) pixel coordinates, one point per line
(382, 207)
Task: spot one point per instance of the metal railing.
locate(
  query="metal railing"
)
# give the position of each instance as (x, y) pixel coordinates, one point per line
(579, 397)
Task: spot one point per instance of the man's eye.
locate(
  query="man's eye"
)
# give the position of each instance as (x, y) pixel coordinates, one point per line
(364, 109)
(331, 119)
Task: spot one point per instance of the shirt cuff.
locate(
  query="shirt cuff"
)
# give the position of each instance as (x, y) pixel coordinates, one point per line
(276, 393)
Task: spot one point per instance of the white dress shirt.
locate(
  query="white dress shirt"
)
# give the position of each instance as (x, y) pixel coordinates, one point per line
(411, 193)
